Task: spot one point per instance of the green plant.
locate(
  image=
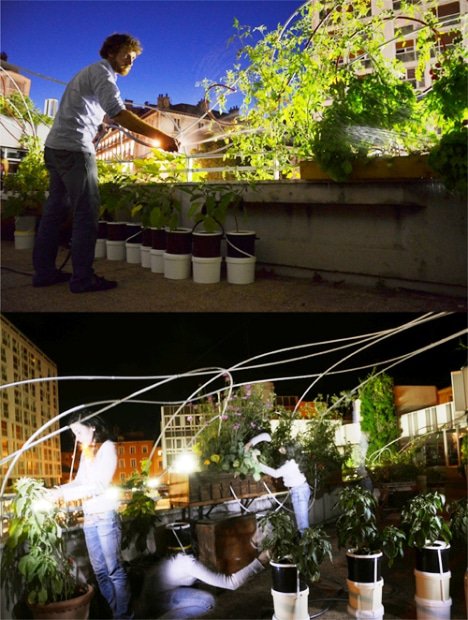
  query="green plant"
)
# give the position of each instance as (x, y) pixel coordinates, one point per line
(27, 187)
(283, 541)
(157, 205)
(34, 559)
(358, 528)
(378, 416)
(323, 87)
(220, 444)
(458, 519)
(449, 159)
(210, 203)
(423, 521)
(139, 515)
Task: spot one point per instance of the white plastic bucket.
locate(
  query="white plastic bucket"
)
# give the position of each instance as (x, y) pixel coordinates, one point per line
(24, 239)
(157, 261)
(366, 614)
(100, 248)
(145, 256)
(433, 586)
(365, 596)
(115, 250)
(289, 606)
(133, 253)
(206, 270)
(177, 266)
(240, 270)
(432, 610)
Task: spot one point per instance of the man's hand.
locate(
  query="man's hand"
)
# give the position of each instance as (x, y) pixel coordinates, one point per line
(169, 144)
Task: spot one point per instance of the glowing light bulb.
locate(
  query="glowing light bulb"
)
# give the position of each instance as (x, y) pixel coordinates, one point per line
(42, 505)
(185, 463)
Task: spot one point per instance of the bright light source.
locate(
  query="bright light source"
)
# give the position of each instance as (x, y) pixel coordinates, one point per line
(42, 505)
(156, 143)
(113, 493)
(185, 463)
(153, 483)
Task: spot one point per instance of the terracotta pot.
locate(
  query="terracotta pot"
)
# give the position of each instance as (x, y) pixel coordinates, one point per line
(76, 608)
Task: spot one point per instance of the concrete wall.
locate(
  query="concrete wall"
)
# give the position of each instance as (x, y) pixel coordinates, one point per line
(408, 234)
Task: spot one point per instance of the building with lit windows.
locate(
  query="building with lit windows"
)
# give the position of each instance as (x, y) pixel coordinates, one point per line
(27, 407)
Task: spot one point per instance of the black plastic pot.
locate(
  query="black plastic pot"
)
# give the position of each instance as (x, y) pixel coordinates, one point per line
(240, 244)
(206, 245)
(133, 233)
(364, 568)
(158, 238)
(284, 577)
(433, 558)
(179, 539)
(116, 231)
(179, 241)
(102, 229)
(146, 237)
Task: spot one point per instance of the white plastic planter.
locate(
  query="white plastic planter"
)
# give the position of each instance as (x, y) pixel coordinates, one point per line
(365, 599)
(145, 256)
(115, 250)
(157, 261)
(206, 270)
(24, 239)
(177, 266)
(433, 586)
(133, 253)
(100, 249)
(432, 610)
(291, 606)
(240, 270)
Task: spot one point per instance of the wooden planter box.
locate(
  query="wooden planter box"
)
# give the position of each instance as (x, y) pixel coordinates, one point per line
(378, 168)
(210, 487)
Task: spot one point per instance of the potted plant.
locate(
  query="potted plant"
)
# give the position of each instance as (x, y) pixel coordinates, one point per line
(26, 192)
(35, 564)
(428, 532)
(209, 206)
(366, 542)
(295, 561)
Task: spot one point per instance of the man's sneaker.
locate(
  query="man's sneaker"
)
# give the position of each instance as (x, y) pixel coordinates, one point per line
(97, 284)
(59, 277)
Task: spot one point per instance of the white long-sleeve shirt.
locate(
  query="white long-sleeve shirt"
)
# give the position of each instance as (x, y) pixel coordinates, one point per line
(185, 570)
(289, 471)
(93, 480)
(91, 94)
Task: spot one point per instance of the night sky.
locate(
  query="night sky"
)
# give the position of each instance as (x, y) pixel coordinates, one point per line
(165, 344)
(184, 41)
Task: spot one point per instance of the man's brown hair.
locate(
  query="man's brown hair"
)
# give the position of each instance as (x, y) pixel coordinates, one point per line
(115, 42)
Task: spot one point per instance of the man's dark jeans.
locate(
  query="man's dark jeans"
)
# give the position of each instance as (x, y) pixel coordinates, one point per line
(73, 182)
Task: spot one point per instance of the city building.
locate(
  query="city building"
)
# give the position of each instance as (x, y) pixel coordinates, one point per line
(51, 107)
(190, 124)
(27, 407)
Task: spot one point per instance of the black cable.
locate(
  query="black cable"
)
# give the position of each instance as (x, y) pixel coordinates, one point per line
(23, 273)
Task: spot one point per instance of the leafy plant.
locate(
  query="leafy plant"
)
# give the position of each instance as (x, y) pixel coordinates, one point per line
(283, 541)
(358, 528)
(34, 559)
(423, 521)
(27, 187)
(378, 416)
(458, 519)
(210, 203)
(220, 444)
(139, 516)
(157, 205)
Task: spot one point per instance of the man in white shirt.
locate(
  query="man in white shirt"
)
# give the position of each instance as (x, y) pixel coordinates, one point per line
(71, 161)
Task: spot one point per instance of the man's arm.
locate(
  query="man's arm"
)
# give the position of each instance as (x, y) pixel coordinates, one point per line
(132, 122)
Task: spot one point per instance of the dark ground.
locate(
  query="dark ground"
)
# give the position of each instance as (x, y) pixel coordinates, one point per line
(140, 290)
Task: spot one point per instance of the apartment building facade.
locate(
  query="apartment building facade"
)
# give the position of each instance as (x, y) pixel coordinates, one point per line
(27, 407)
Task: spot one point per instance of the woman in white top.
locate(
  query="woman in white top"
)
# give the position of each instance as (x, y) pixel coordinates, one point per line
(293, 479)
(101, 527)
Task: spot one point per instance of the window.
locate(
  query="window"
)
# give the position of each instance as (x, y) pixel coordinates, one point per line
(133, 463)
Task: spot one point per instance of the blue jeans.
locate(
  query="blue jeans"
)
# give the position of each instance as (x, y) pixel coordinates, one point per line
(300, 497)
(73, 182)
(103, 534)
(184, 602)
